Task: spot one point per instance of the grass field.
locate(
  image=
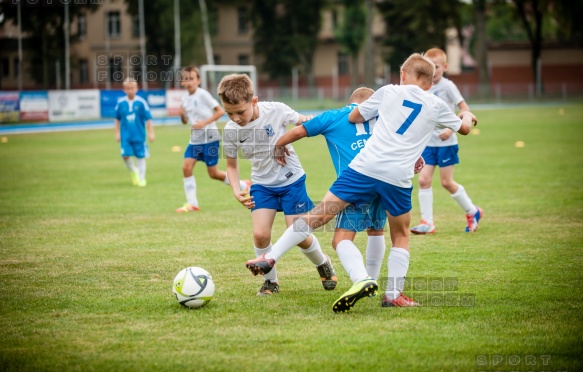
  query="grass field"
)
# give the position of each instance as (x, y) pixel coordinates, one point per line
(87, 261)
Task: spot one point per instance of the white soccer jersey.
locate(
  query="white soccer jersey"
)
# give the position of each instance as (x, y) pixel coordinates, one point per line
(256, 141)
(447, 91)
(200, 106)
(407, 116)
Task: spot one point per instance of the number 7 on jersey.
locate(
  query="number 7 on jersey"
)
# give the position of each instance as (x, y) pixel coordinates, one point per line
(416, 110)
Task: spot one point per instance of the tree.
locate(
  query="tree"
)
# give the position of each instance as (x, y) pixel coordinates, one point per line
(351, 33)
(480, 46)
(415, 26)
(44, 21)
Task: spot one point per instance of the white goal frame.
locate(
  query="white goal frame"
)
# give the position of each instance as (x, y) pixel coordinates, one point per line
(206, 79)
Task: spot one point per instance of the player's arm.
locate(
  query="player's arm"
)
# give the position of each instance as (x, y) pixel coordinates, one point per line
(150, 128)
(216, 116)
(182, 113)
(355, 116)
(303, 118)
(233, 175)
(117, 135)
(290, 136)
(468, 119)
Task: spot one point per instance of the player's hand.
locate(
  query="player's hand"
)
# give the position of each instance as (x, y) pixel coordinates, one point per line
(280, 153)
(445, 134)
(419, 164)
(198, 125)
(474, 119)
(152, 137)
(117, 137)
(245, 199)
(307, 118)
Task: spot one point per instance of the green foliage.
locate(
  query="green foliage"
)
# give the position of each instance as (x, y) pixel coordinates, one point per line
(43, 21)
(416, 26)
(351, 32)
(87, 262)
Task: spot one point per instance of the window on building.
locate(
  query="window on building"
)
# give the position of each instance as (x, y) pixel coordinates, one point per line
(342, 64)
(243, 59)
(16, 67)
(5, 67)
(243, 20)
(113, 24)
(82, 26)
(136, 26)
(115, 72)
(83, 71)
(217, 59)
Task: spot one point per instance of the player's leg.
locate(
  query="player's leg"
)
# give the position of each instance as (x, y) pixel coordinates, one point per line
(141, 152)
(375, 248)
(189, 181)
(425, 194)
(127, 152)
(459, 194)
(262, 224)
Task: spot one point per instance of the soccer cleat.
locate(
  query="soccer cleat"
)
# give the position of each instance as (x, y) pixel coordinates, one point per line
(268, 288)
(473, 220)
(401, 301)
(328, 275)
(364, 288)
(187, 208)
(248, 183)
(135, 178)
(260, 265)
(424, 227)
(142, 183)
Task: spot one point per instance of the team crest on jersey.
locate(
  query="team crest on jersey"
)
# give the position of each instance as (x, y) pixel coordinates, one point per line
(269, 130)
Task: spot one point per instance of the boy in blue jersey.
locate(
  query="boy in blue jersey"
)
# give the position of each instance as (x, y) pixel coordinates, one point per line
(407, 115)
(132, 117)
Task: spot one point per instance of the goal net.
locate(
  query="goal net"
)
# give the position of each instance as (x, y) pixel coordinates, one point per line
(211, 75)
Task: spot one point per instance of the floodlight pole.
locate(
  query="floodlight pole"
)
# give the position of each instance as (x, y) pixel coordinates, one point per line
(177, 56)
(207, 36)
(19, 47)
(67, 60)
(143, 44)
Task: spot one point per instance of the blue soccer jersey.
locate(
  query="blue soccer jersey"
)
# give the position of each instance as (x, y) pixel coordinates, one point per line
(132, 118)
(344, 139)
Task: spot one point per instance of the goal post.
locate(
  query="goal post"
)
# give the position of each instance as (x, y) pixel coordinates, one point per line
(211, 75)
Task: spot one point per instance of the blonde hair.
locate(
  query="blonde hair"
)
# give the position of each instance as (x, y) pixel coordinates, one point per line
(236, 88)
(360, 95)
(436, 53)
(191, 68)
(419, 67)
(129, 80)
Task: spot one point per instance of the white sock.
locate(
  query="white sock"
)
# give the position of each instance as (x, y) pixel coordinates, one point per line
(398, 265)
(190, 191)
(294, 235)
(314, 253)
(242, 185)
(351, 259)
(141, 168)
(426, 204)
(130, 165)
(464, 201)
(375, 252)
(272, 275)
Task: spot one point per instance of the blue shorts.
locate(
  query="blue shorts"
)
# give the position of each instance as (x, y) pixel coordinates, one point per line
(138, 149)
(442, 156)
(291, 199)
(358, 189)
(365, 216)
(208, 152)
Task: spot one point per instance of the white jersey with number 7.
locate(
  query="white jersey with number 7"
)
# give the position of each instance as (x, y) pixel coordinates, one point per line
(407, 115)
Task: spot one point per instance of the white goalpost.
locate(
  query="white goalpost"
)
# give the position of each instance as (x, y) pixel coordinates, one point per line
(210, 75)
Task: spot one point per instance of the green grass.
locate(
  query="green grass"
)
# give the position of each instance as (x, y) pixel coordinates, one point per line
(87, 261)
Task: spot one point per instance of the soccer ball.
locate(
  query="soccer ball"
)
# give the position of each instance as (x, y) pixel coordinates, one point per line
(193, 287)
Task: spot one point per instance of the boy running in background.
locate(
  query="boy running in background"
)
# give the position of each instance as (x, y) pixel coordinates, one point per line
(132, 117)
(442, 151)
(253, 130)
(201, 111)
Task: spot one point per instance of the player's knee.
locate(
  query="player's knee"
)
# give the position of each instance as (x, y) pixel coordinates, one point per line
(424, 182)
(261, 239)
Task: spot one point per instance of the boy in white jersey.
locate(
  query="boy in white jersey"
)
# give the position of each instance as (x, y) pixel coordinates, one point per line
(132, 117)
(253, 130)
(442, 151)
(407, 115)
(201, 110)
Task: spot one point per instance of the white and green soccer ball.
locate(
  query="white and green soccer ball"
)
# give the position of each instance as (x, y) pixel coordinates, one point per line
(193, 287)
